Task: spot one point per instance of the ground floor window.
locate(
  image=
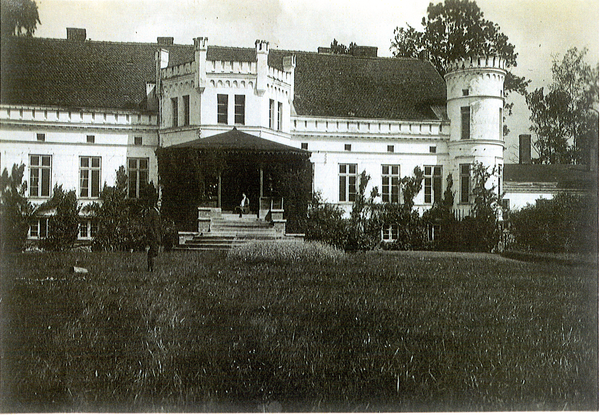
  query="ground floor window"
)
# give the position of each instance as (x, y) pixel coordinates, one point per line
(38, 228)
(390, 232)
(88, 229)
(348, 179)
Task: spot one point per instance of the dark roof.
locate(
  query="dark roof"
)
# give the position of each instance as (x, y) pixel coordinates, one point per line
(566, 176)
(86, 74)
(91, 74)
(347, 86)
(239, 141)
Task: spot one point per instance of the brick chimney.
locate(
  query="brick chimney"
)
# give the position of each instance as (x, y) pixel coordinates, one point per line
(76, 34)
(262, 67)
(165, 41)
(200, 51)
(525, 149)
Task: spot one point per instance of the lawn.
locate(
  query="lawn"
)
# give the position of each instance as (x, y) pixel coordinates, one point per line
(365, 332)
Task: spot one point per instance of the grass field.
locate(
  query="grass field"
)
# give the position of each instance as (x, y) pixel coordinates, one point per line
(365, 332)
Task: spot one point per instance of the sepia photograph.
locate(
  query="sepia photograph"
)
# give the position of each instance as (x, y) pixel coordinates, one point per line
(239, 206)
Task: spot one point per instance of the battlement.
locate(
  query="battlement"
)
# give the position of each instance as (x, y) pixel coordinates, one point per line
(200, 43)
(262, 46)
(478, 62)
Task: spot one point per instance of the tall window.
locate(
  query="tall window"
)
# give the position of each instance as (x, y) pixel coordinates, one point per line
(240, 109)
(271, 114)
(465, 182)
(186, 110)
(39, 175)
(433, 184)
(175, 112)
(279, 116)
(137, 173)
(390, 183)
(465, 123)
(348, 179)
(222, 103)
(89, 176)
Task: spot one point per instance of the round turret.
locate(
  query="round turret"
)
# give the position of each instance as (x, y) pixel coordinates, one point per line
(475, 101)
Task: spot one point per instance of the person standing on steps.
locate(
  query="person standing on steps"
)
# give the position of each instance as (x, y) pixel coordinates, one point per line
(243, 204)
(153, 233)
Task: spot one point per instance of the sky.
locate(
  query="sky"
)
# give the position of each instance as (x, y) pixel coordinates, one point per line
(541, 30)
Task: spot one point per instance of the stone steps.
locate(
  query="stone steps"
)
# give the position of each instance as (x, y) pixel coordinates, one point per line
(229, 230)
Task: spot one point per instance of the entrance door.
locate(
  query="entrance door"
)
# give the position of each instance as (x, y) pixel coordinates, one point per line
(238, 179)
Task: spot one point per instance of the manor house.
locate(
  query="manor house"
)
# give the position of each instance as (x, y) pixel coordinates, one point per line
(74, 111)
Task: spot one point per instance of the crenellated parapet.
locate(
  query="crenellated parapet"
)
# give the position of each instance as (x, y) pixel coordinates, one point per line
(479, 62)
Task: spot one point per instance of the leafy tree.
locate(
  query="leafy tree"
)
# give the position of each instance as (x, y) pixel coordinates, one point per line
(19, 17)
(565, 119)
(486, 205)
(15, 210)
(63, 224)
(456, 29)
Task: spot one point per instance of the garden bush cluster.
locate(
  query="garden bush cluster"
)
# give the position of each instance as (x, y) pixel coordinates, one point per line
(120, 220)
(362, 230)
(566, 223)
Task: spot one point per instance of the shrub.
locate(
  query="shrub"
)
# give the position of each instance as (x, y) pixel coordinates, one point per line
(121, 223)
(567, 223)
(63, 225)
(15, 210)
(325, 223)
(286, 252)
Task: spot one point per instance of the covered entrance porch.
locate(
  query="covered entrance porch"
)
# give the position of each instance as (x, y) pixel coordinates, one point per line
(204, 178)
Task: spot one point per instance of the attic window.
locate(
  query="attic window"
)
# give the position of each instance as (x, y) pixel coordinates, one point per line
(137, 141)
(304, 146)
(390, 148)
(432, 149)
(348, 147)
(465, 92)
(91, 138)
(41, 136)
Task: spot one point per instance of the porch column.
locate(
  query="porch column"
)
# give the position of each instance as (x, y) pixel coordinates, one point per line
(261, 181)
(219, 192)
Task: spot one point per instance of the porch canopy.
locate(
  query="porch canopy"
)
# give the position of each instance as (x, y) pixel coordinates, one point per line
(219, 168)
(236, 141)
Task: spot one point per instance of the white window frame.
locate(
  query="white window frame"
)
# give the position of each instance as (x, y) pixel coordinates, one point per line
(135, 175)
(348, 181)
(431, 183)
(86, 184)
(391, 181)
(40, 170)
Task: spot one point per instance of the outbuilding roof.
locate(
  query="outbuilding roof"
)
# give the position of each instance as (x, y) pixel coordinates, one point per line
(113, 75)
(565, 176)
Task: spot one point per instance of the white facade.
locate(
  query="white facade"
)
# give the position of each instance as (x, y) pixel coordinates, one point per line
(259, 100)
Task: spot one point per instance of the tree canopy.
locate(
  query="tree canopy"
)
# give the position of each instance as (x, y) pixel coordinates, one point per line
(457, 29)
(565, 118)
(19, 17)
